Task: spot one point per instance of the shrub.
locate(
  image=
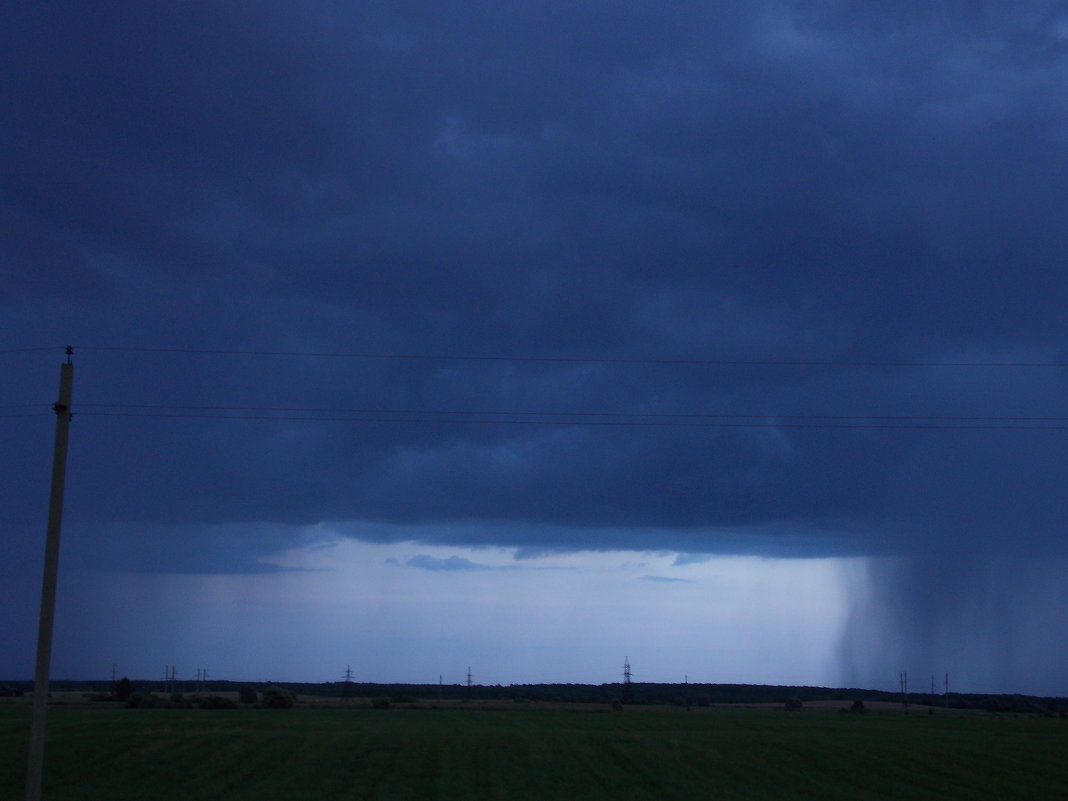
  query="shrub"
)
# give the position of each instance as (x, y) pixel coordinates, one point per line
(122, 689)
(277, 698)
(380, 703)
(793, 705)
(617, 705)
(247, 695)
(142, 701)
(217, 702)
(857, 706)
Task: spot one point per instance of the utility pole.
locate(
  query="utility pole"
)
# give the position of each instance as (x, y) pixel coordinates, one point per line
(62, 408)
(468, 682)
(904, 679)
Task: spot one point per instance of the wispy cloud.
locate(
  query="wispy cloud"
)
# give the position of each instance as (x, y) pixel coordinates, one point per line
(684, 559)
(666, 579)
(425, 562)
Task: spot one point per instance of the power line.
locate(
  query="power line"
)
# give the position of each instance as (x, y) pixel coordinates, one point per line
(557, 418)
(564, 359)
(767, 416)
(578, 422)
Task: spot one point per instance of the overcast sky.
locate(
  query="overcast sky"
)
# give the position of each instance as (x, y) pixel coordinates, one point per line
(699, 333)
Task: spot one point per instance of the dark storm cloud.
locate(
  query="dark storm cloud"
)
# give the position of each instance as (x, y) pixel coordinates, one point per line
(226, 549)
(759, 181)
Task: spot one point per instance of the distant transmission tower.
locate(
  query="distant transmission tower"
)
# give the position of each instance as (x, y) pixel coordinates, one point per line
(346, 690)
(904, 680)
(628, 691)
(170, 674)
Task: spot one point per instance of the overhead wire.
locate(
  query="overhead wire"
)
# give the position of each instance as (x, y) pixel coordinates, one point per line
(463, 413)
(572, 360)
(772, 424)
(559, 418)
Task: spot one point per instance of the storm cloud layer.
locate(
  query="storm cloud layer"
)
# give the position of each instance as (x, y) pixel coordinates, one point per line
(754, 278)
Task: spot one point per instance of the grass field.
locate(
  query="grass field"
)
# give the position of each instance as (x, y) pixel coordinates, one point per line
(530, 752)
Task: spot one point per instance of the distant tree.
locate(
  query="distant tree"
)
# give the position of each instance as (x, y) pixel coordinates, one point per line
(793, 705)
(380, 703)
(122, 689)
(142, 701)
(247, 695)
(277, 698)
(857, 706)
(217, 702)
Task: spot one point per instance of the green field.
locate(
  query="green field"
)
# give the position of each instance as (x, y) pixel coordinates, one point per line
(531, 752)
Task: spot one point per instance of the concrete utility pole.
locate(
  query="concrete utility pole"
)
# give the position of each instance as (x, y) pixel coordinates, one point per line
(62, 408)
